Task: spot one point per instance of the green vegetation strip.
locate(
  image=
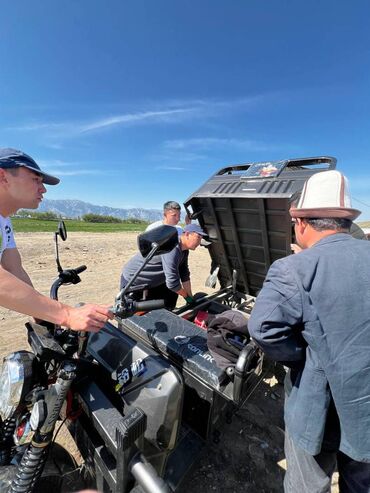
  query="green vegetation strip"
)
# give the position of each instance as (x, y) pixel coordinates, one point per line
(22, 225)
(28, 225)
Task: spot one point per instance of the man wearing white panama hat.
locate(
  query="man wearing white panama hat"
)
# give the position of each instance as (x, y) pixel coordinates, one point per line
(313, 315)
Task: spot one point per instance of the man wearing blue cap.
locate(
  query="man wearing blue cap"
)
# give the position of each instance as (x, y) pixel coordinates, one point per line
(166, 276)
(22, 186)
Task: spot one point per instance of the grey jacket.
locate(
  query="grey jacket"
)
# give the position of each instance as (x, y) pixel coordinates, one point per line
(313, 314)
(170, 268)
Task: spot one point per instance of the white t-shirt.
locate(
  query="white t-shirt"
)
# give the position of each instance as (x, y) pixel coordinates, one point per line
(6, 234)
(160, 223)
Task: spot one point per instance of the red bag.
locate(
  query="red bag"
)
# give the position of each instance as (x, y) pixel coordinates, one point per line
(201, 319)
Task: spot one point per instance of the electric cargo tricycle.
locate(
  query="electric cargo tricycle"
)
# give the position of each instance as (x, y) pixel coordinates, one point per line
(142, 396)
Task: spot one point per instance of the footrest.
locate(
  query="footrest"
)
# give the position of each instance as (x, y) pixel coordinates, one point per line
(130, 428)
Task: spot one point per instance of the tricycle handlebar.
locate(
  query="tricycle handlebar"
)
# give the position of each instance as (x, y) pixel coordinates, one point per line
(67, 276)
(126, 307)
(146, 306)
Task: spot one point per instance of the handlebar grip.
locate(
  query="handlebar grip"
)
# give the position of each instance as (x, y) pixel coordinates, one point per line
(80, 269)
(146, 306)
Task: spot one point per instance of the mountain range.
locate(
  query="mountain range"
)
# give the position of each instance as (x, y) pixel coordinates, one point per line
(77, 208)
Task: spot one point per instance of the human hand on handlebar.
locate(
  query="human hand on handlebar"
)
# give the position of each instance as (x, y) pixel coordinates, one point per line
(89, 317)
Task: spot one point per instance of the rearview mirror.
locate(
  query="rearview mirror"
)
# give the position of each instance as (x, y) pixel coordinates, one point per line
(164, 238)
(62, 230)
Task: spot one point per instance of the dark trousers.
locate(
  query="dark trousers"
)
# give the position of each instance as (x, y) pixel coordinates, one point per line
(312, 474)
(158, 293)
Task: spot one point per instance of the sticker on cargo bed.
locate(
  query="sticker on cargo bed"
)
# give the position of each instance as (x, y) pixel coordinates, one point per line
(184, 341)
(125, 375)
(264, 170)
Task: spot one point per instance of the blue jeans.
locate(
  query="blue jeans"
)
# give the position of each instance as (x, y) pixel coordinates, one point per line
(312, 474)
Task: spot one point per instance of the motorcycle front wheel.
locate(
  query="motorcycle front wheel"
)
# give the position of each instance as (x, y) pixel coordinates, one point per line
(61, 474)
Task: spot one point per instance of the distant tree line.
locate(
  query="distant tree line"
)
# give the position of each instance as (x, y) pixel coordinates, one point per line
(99, 218)
(44, 216)
(88, 218)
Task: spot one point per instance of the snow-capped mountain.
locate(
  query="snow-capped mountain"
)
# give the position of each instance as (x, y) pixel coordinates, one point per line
(77, 208)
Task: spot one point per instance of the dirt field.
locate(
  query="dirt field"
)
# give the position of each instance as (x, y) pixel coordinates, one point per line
(249, 457)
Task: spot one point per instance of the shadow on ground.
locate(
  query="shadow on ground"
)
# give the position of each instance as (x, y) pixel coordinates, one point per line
(250, 450)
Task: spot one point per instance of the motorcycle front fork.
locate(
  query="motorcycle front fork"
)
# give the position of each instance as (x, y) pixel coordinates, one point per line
(7, 429)
(34, 458)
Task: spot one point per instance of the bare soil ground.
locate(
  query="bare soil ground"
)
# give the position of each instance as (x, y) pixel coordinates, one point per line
(249, 457)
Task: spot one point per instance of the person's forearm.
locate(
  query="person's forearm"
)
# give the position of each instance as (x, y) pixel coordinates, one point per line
(182, 292)
(18, 295)
(23, 276)
(185, 290)
(187, 286)
(275, 322)
(11, 261)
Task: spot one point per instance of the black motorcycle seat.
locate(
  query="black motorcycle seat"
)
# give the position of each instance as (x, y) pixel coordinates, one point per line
(184, 342)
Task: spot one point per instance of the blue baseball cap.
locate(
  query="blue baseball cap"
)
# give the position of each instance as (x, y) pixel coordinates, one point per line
(194, 228)
(12, 158)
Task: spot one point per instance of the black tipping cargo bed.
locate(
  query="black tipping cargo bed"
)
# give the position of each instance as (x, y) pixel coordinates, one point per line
(244, 210)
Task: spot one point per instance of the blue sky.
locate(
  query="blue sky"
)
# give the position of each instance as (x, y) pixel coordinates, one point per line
(136, 102)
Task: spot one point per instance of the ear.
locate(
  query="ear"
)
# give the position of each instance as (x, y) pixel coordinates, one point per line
(3, 177)
(301, 225)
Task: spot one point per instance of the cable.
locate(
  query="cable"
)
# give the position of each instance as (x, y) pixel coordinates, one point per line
(361, 202)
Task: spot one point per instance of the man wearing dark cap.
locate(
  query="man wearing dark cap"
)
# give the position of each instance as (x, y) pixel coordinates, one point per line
(22, 186)
(313, 315)
(166, 276)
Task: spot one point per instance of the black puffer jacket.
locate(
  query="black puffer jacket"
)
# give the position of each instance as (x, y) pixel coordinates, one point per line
(227, 334)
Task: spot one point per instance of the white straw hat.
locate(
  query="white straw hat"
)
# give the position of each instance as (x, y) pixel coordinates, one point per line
(325, 194)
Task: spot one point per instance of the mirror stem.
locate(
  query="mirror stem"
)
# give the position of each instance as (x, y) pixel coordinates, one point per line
(59, 267)
(150, 255)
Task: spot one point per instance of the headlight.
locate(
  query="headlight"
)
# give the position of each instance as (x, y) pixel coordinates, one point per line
(15, 381)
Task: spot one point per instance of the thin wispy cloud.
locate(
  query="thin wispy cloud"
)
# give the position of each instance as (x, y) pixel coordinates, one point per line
(34, 126)
(173, 111)
(76, 172)
(197, 150)
(68, 168)
(202, 150)
(130, 118)
(209, 105)
(212, 143)
(73, 129)
(172, 168)
(56, 163)
(184, 157)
